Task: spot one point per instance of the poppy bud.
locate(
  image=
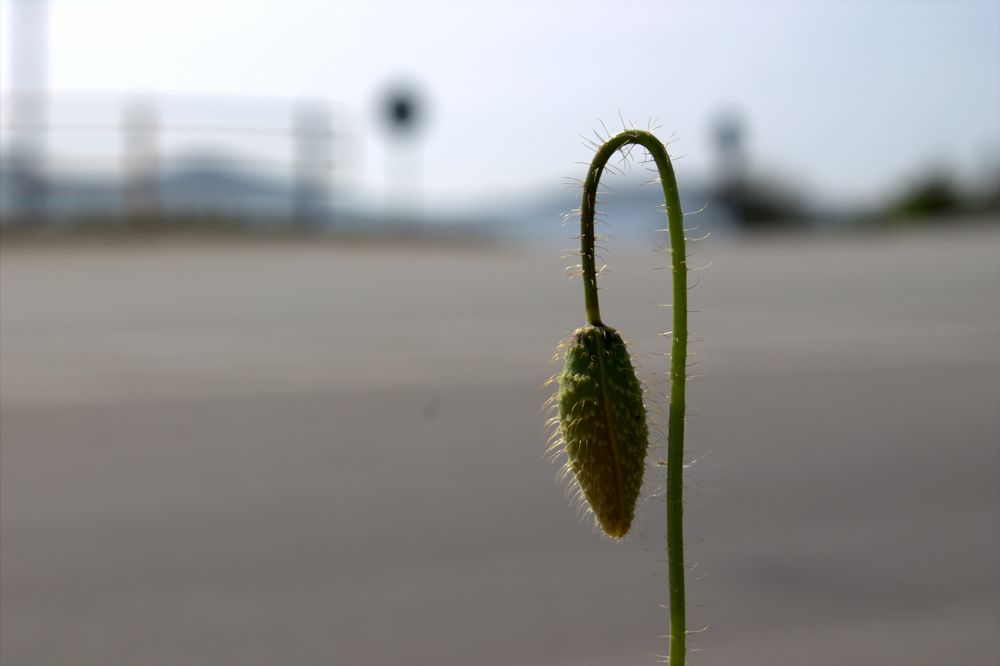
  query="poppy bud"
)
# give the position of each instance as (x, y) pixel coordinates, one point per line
(602, 421)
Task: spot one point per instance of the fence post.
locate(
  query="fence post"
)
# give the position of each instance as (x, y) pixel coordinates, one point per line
(140, 164)
(311, 197)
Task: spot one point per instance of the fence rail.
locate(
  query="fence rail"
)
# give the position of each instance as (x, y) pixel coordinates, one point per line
(59, 160)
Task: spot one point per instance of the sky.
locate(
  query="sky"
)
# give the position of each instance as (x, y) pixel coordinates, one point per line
(846, 100)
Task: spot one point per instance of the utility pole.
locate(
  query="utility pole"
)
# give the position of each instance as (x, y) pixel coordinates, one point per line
(311, 176)
(140, 164)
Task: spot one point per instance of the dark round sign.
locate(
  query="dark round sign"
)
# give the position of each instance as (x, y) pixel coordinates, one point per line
(401, 110)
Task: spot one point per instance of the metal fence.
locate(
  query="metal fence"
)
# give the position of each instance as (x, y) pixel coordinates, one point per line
(81, 158)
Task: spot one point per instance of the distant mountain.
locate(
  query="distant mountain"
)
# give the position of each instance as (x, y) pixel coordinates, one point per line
(204, 186)
(210, 186)
(633, 213)
(207, 187)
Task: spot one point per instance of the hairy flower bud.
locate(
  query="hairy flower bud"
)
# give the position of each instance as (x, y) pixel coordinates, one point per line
(602, 420)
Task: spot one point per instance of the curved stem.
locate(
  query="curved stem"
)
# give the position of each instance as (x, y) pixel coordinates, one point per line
(678, 352)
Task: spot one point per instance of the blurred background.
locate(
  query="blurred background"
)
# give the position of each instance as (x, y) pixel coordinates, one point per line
(280, 283)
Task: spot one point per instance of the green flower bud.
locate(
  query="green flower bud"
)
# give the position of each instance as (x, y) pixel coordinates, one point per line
(602, 422)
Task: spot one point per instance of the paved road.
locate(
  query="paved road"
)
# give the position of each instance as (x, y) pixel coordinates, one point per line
(311, 454)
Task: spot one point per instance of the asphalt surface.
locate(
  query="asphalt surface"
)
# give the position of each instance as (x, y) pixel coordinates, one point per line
(296, 453)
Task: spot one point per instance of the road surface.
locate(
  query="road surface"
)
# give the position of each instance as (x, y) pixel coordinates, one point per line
(294, 453)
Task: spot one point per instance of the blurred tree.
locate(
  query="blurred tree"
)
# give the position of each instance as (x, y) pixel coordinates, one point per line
(933, 194)
(989, 200)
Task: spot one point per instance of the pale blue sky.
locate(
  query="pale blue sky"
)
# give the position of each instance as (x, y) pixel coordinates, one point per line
(847, 98)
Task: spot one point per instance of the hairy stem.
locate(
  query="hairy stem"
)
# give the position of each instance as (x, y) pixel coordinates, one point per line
(678, 353)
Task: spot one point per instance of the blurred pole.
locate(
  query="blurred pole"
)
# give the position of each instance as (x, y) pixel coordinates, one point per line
(29, 78)
(730, 187)
(313, 139)
(140, 163)
(730, 150)
(404, 180)
(403, 114)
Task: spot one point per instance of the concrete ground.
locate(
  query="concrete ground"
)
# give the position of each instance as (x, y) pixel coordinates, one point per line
(296, 453)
